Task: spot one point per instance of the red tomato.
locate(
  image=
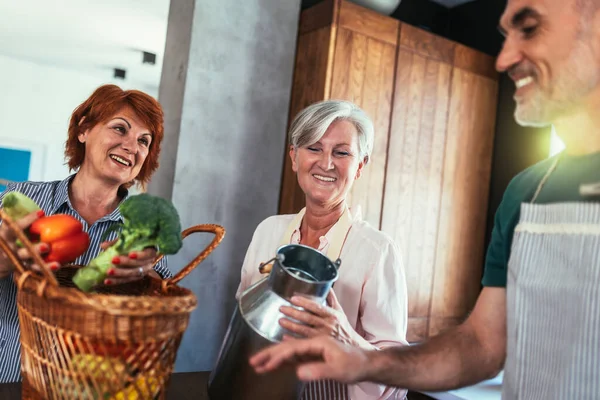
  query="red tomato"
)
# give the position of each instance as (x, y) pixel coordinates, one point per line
(69, 248)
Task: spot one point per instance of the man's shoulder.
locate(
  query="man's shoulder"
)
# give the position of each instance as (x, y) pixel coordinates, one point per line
(522, 187)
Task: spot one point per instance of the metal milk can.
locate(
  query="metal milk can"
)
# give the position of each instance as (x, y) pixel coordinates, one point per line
(297, 270)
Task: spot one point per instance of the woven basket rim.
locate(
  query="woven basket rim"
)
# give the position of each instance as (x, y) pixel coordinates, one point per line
(179, 300)
(175, 299)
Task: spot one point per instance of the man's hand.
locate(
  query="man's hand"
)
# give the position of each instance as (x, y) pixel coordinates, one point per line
(458, 357)
(318, 358)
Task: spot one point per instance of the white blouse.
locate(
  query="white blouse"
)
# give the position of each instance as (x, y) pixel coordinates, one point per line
(371, 288)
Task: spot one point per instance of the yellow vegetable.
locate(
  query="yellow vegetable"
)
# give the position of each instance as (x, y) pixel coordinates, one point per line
(99, 366)
(109, 374)
(144, 388)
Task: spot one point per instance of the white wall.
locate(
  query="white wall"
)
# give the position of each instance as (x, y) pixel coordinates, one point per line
(36, 102)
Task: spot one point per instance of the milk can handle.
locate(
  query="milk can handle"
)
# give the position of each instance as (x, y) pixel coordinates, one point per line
(279, 257)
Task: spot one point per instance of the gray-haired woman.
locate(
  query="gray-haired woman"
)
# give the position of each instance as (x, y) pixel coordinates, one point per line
(330, 144)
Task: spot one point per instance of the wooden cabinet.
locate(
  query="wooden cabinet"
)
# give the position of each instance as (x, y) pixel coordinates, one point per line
(355, 60)
(433, 103)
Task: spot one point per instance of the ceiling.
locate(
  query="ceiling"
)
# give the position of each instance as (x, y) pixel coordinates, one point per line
(88, 35)
(94, 36)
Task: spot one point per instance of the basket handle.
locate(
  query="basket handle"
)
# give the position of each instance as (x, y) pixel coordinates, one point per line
(23, 238)
(219, 232)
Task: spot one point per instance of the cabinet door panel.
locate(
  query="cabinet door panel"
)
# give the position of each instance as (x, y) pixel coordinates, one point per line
(460, 250)
(363, 73)
(309, 85)
(414, 170)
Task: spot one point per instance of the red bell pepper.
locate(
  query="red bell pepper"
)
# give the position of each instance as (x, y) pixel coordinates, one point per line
(64, 234)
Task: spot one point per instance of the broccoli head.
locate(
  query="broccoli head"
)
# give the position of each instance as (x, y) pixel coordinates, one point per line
(148, 221)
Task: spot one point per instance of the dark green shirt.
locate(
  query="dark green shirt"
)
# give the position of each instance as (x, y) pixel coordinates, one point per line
(562, 186)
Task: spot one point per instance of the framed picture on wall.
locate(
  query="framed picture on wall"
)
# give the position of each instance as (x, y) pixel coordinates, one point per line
(21, 161)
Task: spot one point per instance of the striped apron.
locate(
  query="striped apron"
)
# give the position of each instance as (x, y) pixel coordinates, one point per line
(326, 389)
(553, 303)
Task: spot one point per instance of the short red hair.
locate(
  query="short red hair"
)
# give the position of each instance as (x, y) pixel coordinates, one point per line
(105, 102)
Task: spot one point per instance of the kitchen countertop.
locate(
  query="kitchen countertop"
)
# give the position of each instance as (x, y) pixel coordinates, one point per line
(192, 386)
(183, 386)
(490, 389)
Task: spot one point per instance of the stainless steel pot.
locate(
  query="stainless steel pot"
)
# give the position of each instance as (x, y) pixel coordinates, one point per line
(297, 270)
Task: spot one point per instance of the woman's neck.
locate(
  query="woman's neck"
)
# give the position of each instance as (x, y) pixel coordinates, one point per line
(91, 197)
(317, 221)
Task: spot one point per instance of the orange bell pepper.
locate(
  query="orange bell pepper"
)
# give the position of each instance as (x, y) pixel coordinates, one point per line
(64, 234)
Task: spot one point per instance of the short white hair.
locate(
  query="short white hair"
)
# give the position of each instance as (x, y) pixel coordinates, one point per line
(309, 126)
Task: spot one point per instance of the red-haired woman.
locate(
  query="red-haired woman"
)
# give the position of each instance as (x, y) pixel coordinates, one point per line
(113, 143)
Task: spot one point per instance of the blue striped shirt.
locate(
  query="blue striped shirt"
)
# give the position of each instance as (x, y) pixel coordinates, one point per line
(53, 198)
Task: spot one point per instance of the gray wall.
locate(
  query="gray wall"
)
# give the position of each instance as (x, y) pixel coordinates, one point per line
(226, 97)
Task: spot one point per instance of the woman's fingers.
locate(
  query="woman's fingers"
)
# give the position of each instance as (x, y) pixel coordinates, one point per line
(54, 266)
(136, 258)
(29, 219)
(311, 305)
(119, 275)
(23, 223)
(107, 244)
(302, 330)
(41, 248)
(302, 316)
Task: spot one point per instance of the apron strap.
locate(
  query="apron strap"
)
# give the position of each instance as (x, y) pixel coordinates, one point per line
(544, 179)
(292, 226)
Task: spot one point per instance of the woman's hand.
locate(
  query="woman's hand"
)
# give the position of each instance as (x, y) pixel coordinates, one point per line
(6, 266)
(133, 267)
(320, 320)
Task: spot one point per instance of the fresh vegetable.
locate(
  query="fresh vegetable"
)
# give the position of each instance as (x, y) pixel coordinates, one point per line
(108, 375)
(64, 234)
(100, 367)
(17, 205)
(149, 221)
(71, 388)
(145, 387)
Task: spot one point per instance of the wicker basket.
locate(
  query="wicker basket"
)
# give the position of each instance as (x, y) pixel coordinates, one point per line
(118, 343)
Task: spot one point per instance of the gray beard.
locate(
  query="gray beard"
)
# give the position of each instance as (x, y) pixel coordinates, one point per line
(576, 80)
(533, 113)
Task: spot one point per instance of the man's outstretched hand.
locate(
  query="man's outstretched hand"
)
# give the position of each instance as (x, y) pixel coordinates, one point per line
(317, 358)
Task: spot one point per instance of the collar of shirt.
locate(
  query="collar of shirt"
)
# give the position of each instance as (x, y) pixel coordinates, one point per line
(61, 199)
(323, 240)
